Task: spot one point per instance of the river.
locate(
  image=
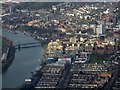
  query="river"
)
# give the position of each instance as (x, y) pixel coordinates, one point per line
(25, 61)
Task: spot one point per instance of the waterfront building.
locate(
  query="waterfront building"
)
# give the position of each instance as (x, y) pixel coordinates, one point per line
(55, 45)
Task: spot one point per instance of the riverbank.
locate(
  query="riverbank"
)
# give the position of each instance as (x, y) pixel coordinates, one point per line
(7, 52)
(10, 58)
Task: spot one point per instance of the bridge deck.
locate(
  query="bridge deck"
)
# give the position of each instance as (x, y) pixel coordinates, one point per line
(28, 45)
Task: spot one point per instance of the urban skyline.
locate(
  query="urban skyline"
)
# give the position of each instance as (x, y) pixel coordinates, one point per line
(80, 43)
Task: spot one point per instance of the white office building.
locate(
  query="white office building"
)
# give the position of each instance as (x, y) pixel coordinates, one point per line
(100, 29)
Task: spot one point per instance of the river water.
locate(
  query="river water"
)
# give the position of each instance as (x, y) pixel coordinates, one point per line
(25, 61)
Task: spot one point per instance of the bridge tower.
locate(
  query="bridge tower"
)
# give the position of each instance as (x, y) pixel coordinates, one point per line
(19, 46)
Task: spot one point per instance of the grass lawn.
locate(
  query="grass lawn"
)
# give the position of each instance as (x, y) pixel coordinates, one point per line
(98, 58)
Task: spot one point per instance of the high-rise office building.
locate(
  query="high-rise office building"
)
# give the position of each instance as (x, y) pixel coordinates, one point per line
(100, 29)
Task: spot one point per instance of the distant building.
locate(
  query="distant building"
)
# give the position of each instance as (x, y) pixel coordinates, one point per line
(68, 59)
(47, 18)
(54, 8)
(54, 48)
(73, 39)
(81, 39)
(100, 29)
(93, 26)
(82, 57)
(88, 48)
